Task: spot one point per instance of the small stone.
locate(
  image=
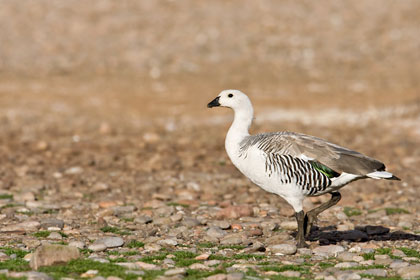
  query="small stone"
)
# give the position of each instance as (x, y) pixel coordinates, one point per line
(235, 276)
(199, 266)
(304, 251)
(216, 232)
(383, 259)
(329, 251)
(28, 257)
(146, 266)
(190, 222)
(128, 265)
(283, 249)
(77, 244)
(236, 227)
(232, 239)
(235, 212)
(289, 225)
(376, 272)
(169, 262)
(55, 235)
(398, 264)
(176, 217)
(107, 204)
(73, 170)
(135, 272)
(168, 242)
(21, 227)
(411, 271)
(120, 210)
(111, 242)
(97, 247)
(290, 273)
(217, 277)
(90, 273)
(255, 232)
(47, 223)
(212, 262)
(346, 264)
(221, 224)
(344, 275)
(46, 255)
(345, 256)
(175, 271)
(152, 247)
(202, 257)
(143, 220)
(4, 257)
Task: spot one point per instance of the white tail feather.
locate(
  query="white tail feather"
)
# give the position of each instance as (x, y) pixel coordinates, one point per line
(380, 175)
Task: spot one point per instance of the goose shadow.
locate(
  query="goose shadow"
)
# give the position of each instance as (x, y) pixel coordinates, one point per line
(330, 235)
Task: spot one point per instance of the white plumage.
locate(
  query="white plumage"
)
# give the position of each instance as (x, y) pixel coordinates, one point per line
(292, 165)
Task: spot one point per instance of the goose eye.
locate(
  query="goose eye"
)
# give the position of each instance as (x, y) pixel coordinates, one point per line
(230, 95)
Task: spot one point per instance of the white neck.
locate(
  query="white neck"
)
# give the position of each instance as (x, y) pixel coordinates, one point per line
(239, 128)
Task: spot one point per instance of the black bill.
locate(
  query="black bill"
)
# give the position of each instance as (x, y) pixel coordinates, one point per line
(214, 103)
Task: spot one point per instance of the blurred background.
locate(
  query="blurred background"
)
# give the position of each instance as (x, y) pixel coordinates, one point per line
(119, 88)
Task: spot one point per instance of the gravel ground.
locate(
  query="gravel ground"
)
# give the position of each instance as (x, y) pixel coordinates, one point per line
(115, 153)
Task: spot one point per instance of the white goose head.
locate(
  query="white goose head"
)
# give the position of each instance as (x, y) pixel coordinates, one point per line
(232, 98)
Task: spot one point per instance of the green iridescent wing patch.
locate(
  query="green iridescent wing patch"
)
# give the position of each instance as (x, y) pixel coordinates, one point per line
(324, 169)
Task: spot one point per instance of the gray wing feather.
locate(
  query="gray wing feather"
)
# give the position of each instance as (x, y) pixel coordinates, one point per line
(337, 158)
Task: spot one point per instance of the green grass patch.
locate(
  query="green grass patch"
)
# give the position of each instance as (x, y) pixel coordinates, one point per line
(85, 251)
(206, 245)
(6, 196)
(42, 234)
(379, 277)
(387, 251)
(151, 274)
(410, 252)
(369, 256)
(282, 268)
(361, 267)
(184, 258)
(15, 265)
(135, 244)
(117, 260)
(127, 220)
(153, 259)
(218, 257)
(234, 247)
(76, 267)
(10, 251)
(201, 274)
(350, 211)
(177, 204)
(392, 211)
(115, 230)
(324, 265)
(248, 256)
(4, 277)
(9, 205)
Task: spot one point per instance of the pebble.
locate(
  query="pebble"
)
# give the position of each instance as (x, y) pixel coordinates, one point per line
(215, 232)
(73, 170)
(235, 276)
(329, 251)
(50, 254)
(383, 259)
(22, 227)
(77, 244)
(90, 273)
(283, 249)
(146, 266)
(345, 275)
(55, 235)
(4, 257)
(235, 212)
(190, 222)
(120, 210)
(97, 247)
(175, 271)
(398, 264)
(346, 264)
(346, 256)
(376, 272)
(217, 277)
(411, 271)
(202, 257)
(143, 220)
(233, 239)
(152, 247)
(290, 273)
(221, 224)
(168, 242)
(111, 242)
(289, 225)
(47, 223)
(199, 266)
(304, 251)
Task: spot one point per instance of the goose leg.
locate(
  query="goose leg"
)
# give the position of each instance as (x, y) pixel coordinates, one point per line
(300, 237)
(311, 216)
